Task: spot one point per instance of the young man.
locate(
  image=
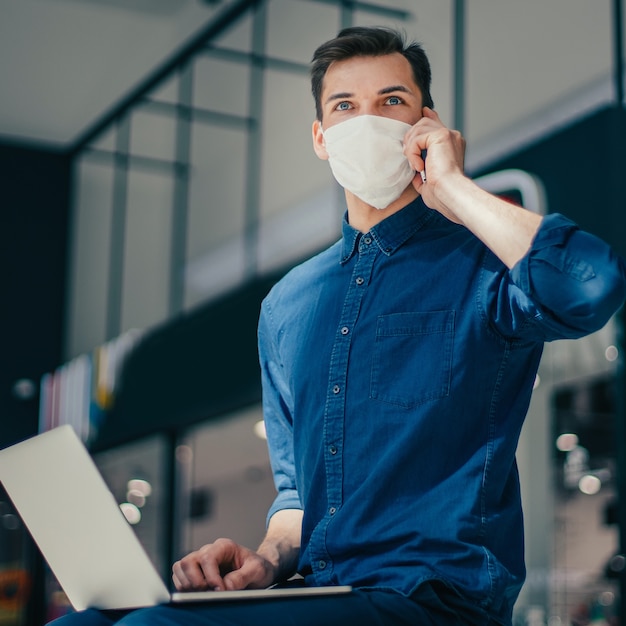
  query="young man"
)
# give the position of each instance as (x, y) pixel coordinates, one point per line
(397, 370)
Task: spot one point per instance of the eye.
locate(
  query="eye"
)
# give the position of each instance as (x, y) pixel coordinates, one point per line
(343, 106)
(394, 100)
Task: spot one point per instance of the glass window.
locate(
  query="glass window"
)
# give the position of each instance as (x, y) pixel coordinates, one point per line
(105, 141)
(153, 133)
(167, 91)
(228, 481)
(145, 293)
(221, 86)
(217, 196)
(300, 203)
(90, 241)
(237, 36)
(295, 28)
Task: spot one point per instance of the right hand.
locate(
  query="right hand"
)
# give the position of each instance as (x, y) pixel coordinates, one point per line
(223, 565)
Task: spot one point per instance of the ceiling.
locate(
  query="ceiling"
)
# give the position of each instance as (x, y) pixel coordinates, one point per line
(66, 62)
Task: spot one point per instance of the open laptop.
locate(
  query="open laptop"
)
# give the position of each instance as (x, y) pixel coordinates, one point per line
(83, 535)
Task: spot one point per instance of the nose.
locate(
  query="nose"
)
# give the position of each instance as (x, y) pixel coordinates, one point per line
(367, 108)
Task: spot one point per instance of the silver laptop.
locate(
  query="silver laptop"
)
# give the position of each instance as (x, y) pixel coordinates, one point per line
(85, 538)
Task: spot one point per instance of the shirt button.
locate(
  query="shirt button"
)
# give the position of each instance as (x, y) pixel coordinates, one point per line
(367, 241)
(360, 280)
(332, 449)
(332, 510)
(336, 389)
(322, 564)
(345, 330)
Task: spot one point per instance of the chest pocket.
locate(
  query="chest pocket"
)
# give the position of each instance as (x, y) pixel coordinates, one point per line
(412, 358)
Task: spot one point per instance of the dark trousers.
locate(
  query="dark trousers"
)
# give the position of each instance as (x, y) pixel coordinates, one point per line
(431, 605)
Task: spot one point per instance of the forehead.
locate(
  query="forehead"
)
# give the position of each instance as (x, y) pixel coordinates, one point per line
(363, 74)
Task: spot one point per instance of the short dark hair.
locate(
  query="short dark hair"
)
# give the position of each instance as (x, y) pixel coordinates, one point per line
(368, 41)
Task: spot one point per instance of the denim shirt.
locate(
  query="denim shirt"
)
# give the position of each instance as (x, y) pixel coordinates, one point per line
(397, 368)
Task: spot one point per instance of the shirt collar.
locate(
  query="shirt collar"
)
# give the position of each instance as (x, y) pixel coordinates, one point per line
(389, 234)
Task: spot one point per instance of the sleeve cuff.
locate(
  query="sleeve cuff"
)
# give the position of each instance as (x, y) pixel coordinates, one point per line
(286, 499)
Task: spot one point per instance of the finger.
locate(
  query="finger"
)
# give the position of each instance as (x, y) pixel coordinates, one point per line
(416, 142)
(187, 574)
(431, 114)
(419, 181)
(201, 572)
(202, 569)
(251, 575)
(414, 154)
(181, 582)
(235, 580)
(216, 558)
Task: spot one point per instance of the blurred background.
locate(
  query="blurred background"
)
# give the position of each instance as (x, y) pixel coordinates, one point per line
(157, 178)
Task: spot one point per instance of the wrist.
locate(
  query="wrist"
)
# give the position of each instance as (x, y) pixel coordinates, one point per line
(281, 546)
(281, 559)
(270, 552)
(447, 195)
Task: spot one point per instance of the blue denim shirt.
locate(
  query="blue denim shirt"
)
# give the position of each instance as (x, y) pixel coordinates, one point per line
(397, 368)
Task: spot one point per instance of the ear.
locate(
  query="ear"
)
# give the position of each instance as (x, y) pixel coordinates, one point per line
(319, 145)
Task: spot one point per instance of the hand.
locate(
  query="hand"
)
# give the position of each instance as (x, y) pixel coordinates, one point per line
(445, 153)
(223, 565)
(507, 230)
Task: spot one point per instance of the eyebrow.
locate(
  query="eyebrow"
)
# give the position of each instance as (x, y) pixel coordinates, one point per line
(393, 88)
(385, 90)
(338, 96)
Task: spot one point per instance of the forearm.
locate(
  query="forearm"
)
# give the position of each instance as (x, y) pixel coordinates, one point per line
(281, 545)
(506, 229)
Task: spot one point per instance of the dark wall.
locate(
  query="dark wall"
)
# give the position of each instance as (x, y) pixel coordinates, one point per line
(583, 168)
(34, 188)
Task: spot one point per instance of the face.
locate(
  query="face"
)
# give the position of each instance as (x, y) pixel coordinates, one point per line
(379, 85)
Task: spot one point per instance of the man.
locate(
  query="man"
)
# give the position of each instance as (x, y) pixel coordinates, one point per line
(397, 370)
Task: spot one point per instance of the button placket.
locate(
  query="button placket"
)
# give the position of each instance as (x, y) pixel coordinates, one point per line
(334, 413)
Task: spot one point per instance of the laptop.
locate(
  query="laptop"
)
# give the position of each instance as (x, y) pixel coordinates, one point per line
(81, 532)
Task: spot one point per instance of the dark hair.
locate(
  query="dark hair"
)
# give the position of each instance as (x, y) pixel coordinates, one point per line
(368, 41)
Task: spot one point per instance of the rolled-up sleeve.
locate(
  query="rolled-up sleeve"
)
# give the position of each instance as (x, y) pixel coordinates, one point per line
(277, 414)
(574, 280)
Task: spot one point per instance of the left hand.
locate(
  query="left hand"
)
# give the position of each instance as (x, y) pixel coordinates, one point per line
(445, 155)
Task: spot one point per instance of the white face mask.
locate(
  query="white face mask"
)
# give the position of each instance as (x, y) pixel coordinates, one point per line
(365, 156)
